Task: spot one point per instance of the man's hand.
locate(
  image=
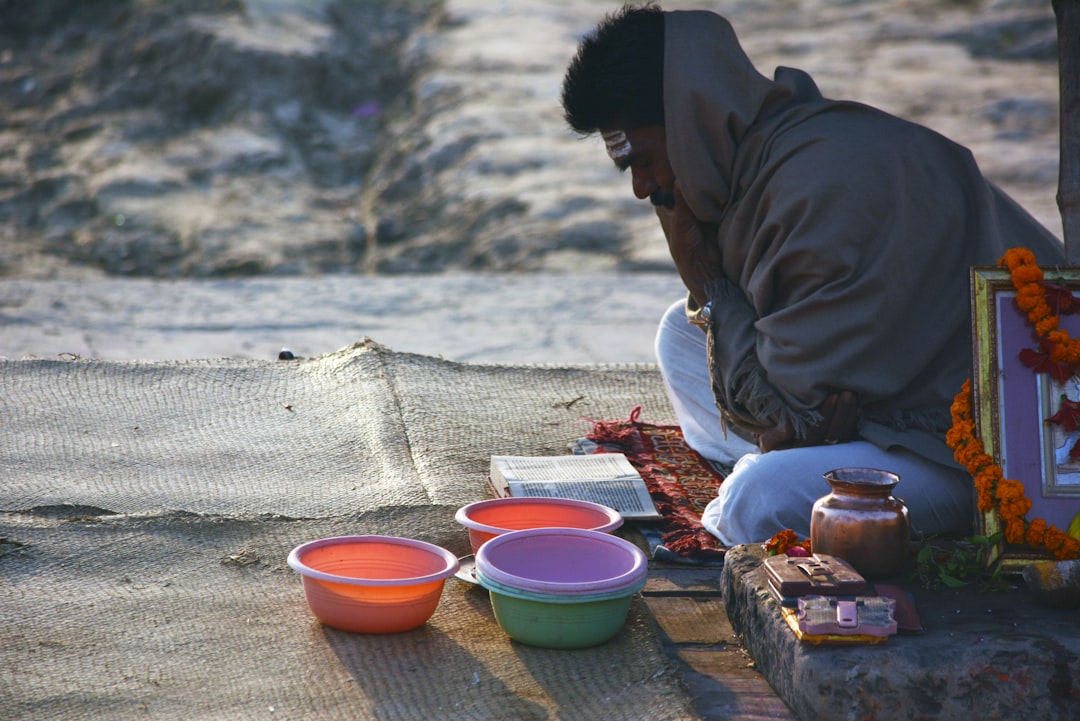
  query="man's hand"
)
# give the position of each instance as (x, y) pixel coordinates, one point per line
(696, 255)
(840, 415)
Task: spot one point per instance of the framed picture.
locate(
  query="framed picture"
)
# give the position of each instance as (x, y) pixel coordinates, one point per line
(1011, 405)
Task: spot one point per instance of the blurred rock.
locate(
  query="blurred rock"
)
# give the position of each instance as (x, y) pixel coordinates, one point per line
(1054, 583)
(224, 138)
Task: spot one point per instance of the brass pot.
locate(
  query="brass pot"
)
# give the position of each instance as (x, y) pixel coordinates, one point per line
(861, 521)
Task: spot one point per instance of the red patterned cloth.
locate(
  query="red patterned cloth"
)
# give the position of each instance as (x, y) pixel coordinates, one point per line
(680, 480)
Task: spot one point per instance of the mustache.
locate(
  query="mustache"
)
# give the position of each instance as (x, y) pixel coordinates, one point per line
(663, 198)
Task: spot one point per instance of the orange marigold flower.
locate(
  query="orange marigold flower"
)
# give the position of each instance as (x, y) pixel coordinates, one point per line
(781, 542)
(1016, 256)
(1025, 274)
(1027, 302)
(963, 454)
(967, 427)
(992, 472)
(1058, 337)
(975, 461)
(1038, 313)
(1046, 325)
(1072, 351)
(1011, 506)
(1008, 490)
(1014, 530)
(1054, 539)
(1012, 503)
(1036, 533)
(1070, 548)
(1032, 288)
(985, 487)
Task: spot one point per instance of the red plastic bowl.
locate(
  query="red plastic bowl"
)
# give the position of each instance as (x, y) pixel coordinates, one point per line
(494, 517)
(372, 584)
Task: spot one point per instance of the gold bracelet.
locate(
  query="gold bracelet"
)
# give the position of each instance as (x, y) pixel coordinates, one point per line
(702, 317)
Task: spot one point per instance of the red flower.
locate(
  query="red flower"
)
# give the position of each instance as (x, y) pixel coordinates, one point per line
(1061, 300)
(1040, 361)
(1068, 415)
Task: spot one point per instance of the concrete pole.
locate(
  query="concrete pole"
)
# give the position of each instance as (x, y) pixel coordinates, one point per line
(1067, 13)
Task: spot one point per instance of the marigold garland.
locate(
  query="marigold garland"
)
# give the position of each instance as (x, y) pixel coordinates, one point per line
(994, 492)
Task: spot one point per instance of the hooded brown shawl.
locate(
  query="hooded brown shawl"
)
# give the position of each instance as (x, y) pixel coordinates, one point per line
(847, 236)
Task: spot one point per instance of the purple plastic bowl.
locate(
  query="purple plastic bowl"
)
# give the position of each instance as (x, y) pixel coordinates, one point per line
(562, 561)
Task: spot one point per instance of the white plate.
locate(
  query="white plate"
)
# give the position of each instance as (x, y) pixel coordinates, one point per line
(467, 569)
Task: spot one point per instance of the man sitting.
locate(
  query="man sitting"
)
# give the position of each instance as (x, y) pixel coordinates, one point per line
(826, 247)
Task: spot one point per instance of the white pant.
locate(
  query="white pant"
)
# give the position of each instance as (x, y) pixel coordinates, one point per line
(768, 492)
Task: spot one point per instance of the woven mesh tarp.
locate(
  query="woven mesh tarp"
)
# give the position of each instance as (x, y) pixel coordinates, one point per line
(147, 509)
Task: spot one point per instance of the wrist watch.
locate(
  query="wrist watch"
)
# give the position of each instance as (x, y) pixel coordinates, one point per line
(702, 317)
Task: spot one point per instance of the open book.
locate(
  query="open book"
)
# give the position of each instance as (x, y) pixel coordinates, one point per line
(605, 478)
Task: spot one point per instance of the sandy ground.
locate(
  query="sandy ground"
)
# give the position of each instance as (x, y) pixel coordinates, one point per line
(503, 318)
(444, 209)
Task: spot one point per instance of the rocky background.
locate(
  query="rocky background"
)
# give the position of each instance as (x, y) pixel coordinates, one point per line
(234, 138)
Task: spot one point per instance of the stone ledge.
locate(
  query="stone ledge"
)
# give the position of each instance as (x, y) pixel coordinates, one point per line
(983, 656)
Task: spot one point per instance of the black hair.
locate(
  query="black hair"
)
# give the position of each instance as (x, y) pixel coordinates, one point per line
(616, 79)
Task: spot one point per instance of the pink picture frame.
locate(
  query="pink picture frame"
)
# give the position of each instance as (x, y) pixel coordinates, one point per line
(1011, 404)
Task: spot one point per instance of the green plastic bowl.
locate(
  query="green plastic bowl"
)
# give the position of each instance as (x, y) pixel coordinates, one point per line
(559, 622)
(560, 587)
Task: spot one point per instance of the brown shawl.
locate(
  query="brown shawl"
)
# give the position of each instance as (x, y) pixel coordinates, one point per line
(847, 236)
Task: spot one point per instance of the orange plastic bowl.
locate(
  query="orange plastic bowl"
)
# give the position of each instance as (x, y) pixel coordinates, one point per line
(496, 516)
(372, 584)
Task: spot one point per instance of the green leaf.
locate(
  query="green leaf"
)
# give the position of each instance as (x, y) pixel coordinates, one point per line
(953, 582)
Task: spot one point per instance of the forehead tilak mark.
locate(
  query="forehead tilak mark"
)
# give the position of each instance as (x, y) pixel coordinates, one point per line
(618, 145)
